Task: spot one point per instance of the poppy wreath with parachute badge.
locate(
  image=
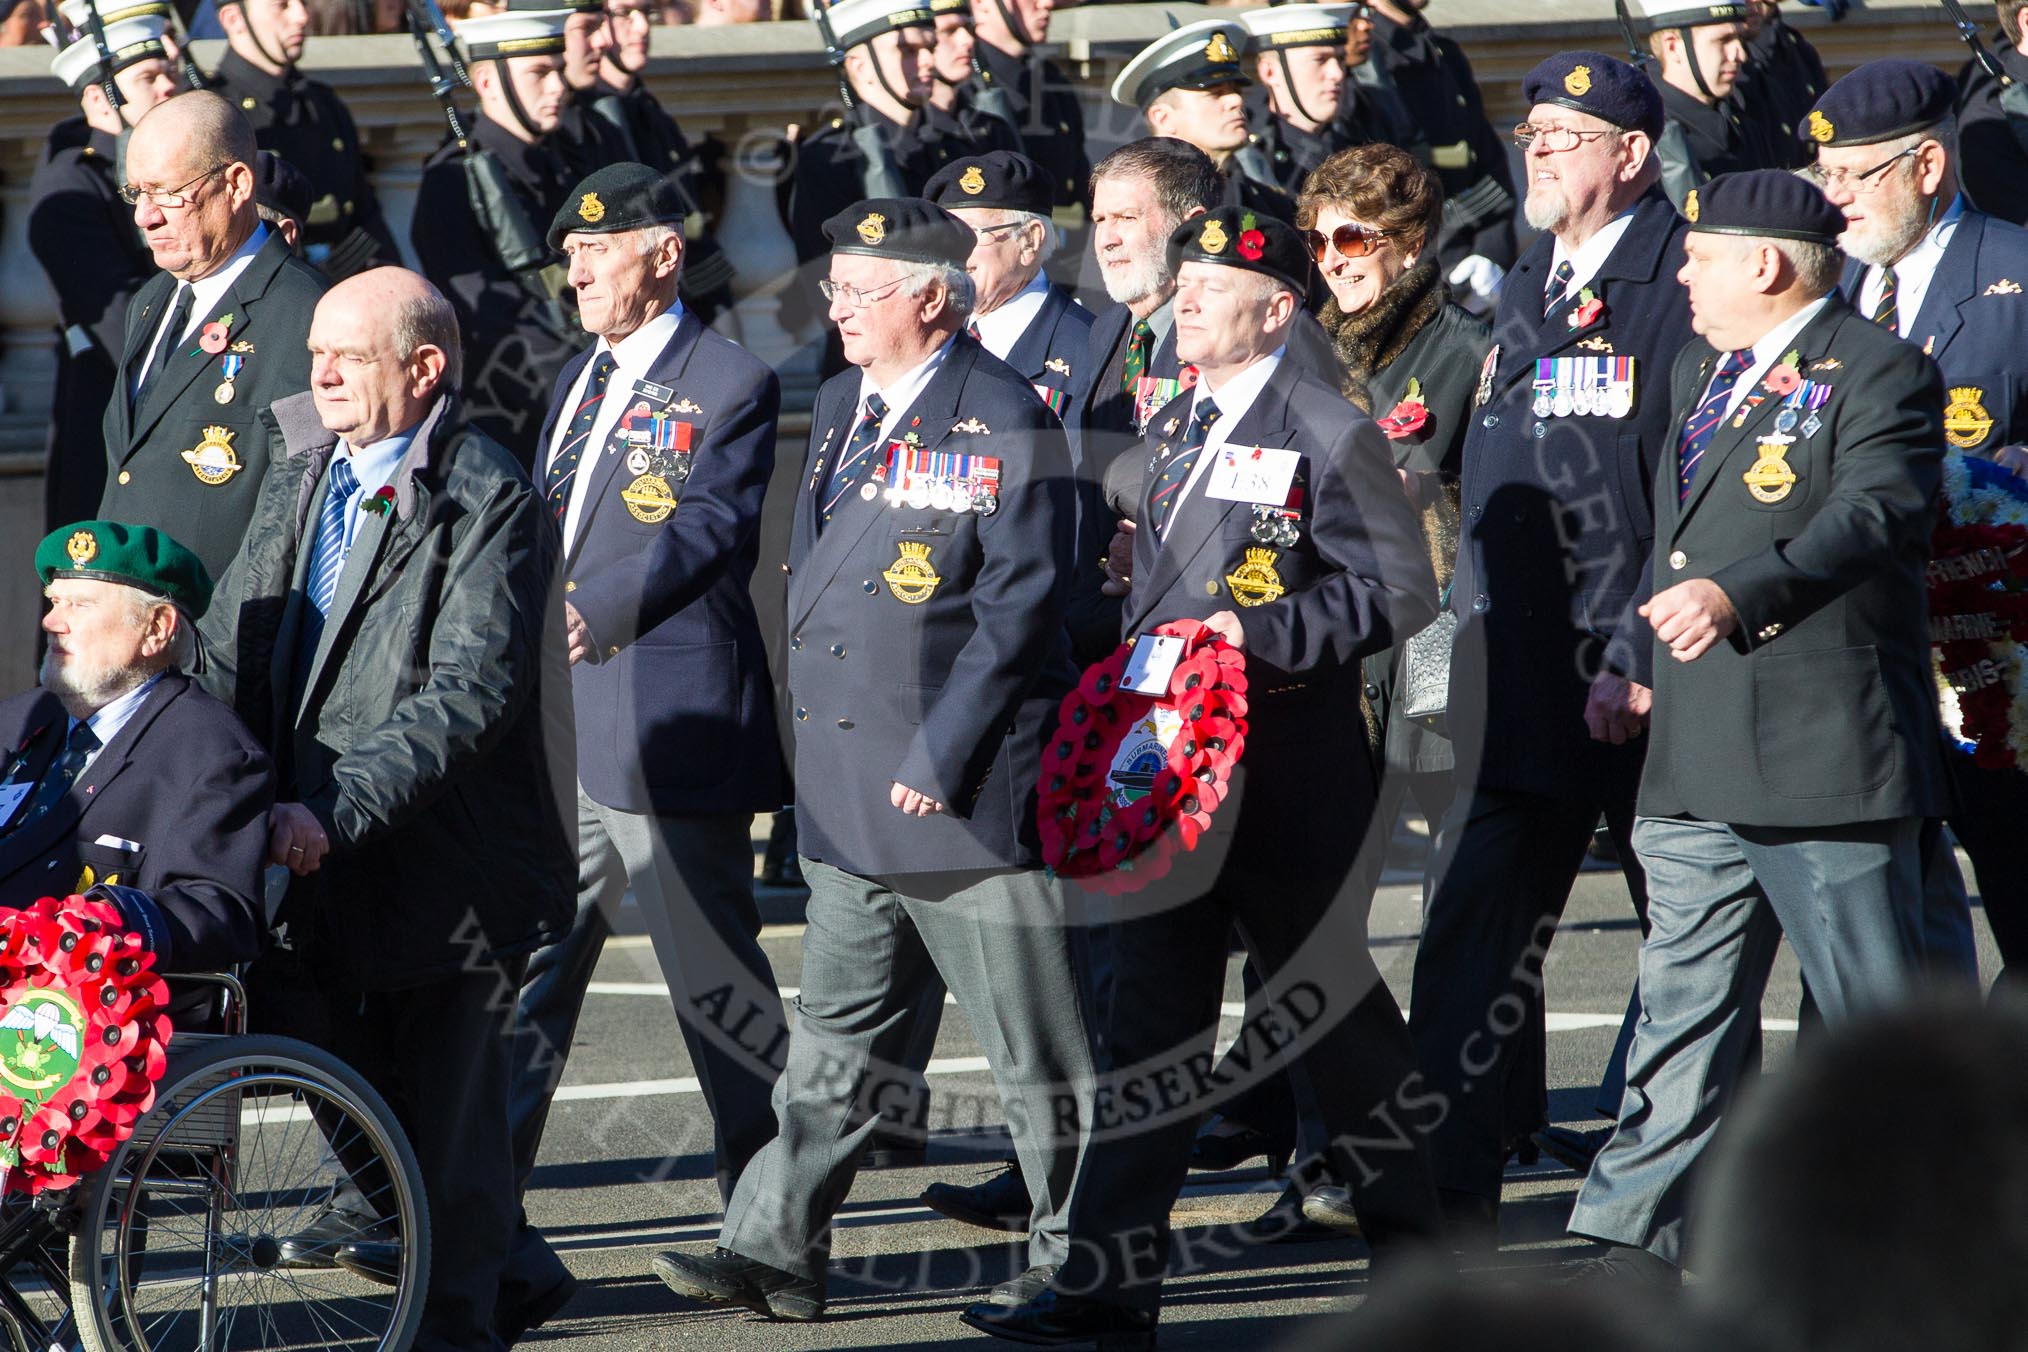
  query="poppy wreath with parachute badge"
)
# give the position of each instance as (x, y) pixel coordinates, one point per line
(83, 1039)
(1131, 779)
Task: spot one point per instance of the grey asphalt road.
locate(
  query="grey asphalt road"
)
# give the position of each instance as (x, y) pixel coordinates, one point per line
(625, 1169)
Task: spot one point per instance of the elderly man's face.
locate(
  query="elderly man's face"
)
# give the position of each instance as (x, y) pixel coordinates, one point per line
(1881, 194)
(622, 280)
(1005, 257)
(1570, 182)
(194, 240)
(1720, 308)
(1130, 234)
(1221, 315)
(100, 642)
(363, 390)
(885, 321)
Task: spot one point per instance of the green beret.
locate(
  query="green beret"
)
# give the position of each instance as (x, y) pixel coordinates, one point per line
(134, 556)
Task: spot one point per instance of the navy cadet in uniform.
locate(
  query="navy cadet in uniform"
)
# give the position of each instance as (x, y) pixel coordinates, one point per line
(1189, 85)
(1699, 50)
(1309, 564)
(953, 123)
(84, 237)
(1299, 59)
(1792, 528)
(929, 571)
(1018, 314)
(212, 340)
(654, 457)
(122, 779)
(1782, 80)
(306, 123)
(516, 336)
(1954, 281)
(1042, 98)
(1556, 525)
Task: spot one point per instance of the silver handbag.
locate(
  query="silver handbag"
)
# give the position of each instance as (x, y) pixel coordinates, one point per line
(1426, 668)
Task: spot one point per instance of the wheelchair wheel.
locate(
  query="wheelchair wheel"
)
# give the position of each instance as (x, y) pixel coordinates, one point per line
(180, 1238)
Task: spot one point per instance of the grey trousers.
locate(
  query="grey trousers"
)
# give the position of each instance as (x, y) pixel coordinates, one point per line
(1720, 899)
(1001, 944)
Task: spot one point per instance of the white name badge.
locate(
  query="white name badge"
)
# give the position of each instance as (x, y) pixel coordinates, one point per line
(13, 795)
(1151, 664)
(1252, 474)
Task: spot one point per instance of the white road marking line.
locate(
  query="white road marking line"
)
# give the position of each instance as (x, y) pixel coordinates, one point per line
(946, 1065)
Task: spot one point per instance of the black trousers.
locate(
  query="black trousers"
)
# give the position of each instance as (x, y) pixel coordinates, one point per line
(1989, 816)
(1476, 1012)
(438, 1054)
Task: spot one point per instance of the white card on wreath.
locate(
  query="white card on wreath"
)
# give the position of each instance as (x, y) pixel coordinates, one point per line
(1151, 664)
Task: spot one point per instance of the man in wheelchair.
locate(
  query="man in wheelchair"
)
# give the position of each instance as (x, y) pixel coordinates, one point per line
(121, 779)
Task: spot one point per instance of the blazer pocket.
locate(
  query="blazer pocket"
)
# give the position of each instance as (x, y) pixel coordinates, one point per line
(109, 862)
(1796, 759)
(915, 701)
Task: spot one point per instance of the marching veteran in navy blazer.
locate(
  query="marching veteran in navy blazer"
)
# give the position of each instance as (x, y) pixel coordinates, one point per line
(118, 776)
(1931, 267)
(1791, 541)
(929, 571)
(653, 460)
(1271, 512)
(1018, 314)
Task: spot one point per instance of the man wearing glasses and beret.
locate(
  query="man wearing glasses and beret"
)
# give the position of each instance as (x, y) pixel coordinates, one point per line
(212, 341)
(1549, 695)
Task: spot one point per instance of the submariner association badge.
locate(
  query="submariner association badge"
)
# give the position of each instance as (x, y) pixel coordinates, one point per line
(648, 499)
(213, 460)
(590, 210)
(1578, 83)
(1771, 479)
(1255, 582)
(912, 577)
(1966, 422)
(973, 181)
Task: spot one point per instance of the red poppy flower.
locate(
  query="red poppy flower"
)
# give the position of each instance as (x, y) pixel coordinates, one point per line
(380, 501)
(1252, 244)
(1590, 312)
(212, 337)
(1406, 419)
(1783, 379)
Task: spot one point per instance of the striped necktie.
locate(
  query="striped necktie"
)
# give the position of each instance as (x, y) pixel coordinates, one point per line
(1559, 287)
(563, 465)
(858, 452)
(1176, 469)
(1702, 424)
(1140, 346)
(54, 784)
(327, 559)
(1886, 310)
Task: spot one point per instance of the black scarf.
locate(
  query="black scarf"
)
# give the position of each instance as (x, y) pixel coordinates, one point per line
(1370, 340)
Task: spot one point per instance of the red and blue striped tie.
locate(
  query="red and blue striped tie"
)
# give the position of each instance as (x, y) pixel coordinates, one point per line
(1702, 424)
(563, 465)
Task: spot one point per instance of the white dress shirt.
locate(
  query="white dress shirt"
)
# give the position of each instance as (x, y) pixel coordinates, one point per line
(1000, 330)
(373, 466)
(632, 356)
(1770, 349)
(1234, 401)
(1913, 274)
(1590, 256)
(206, 293)
(899, 394)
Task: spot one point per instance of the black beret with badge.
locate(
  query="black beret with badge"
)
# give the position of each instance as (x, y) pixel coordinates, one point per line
(906, 229)
(1764, 204)
(1880, 101)
(133, 556)
(1592, 82)
(1006, 179)
(1200, 55)
(1237, 238)
(624, 196)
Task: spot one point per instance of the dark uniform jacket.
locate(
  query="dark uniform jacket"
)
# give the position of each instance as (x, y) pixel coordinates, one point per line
(1700, 141)
(1783, 79)
(1048, 116)
(1974, 325)
(1557, 526)
(1053, 349)
(964, 130)
(1992, 144)
(429, 728)
(1434, 80)
(307, 124)
(1291, 153)
(515, 342)
(174, 809)
(151, 483)
(675, 711)
(84, 237)
(1820, 709)
(927, 647)
(830, 175)
(1355, 582)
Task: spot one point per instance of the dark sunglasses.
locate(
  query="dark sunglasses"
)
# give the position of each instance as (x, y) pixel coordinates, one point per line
(1351, 241)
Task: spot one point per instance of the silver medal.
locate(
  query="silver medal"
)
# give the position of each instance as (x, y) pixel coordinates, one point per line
(1562, 404)
(1543, 404)
(940, 495)
(868, 491)
(637, 461)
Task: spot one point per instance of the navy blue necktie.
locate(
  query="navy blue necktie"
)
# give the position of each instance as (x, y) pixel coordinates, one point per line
(858, 454)
(57, 781)
(1176, 469)
(327, 558)
(1701, 425)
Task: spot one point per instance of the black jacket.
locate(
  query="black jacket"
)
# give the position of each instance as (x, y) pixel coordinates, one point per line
(431, 730)
(1783, 79)
(150, 482)
(1048, 115)
(1992, 143)
(1700, 141)
(173, 809)
(1820, 709)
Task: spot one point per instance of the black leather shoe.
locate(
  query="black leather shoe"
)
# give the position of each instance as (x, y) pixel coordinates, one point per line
(1024, 1288)
(1331, 1207)
(1288, 1222)
(1222, 1145)
(373, 1253)
(723, 1277)
(1000, 1203)
(1053, 1319)
(1622, 1265)
(316, 1244)
(1574, 1150)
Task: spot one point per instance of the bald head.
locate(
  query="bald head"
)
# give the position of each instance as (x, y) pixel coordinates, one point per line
(198, 151)
(383, 347)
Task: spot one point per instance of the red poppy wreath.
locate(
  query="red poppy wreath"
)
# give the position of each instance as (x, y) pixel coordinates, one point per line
(1130, 779)
(83, 1039)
